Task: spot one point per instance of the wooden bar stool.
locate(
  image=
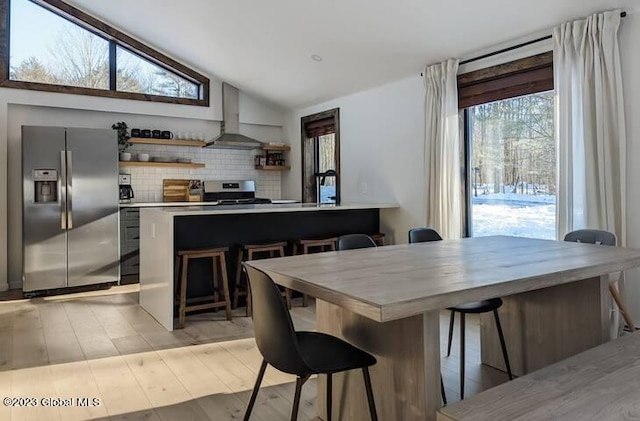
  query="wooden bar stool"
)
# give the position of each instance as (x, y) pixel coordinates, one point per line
(242, 286)
(378, 238)
(314, 246)
(182, 277)
(306, 245)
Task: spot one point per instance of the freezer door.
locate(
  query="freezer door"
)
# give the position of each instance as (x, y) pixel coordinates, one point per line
(92, 172)
(44, 240)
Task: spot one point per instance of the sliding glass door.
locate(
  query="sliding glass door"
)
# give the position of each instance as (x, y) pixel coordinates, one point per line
(512, 167)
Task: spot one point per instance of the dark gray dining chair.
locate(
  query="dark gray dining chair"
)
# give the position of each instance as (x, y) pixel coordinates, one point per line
(421, 235)
(605, 238)
(300, 353)
(355, 241)
(591, 236)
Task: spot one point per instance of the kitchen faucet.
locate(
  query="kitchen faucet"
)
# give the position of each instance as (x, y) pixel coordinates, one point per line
(322, 176)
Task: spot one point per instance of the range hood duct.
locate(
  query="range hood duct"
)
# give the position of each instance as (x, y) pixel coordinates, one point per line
(229, 137)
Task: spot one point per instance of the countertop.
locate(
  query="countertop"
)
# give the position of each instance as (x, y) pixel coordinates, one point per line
(268, 208)
(168, 204)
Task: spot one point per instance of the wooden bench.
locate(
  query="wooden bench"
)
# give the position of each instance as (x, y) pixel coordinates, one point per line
(602, 384)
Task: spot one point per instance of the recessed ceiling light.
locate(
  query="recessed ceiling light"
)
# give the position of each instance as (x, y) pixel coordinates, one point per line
(316, 57)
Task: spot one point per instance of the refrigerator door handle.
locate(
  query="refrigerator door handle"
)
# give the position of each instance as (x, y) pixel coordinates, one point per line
(63, 190)
(69, 190)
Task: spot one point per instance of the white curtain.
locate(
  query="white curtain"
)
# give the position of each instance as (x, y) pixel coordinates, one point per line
(591, 128)
(442, 149)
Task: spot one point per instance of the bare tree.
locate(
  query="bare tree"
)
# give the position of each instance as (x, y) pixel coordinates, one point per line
(130, 77)
(31, 70)
(78, 57)
(136, 74)
(170, 84)
(81, 58)
(514, 143)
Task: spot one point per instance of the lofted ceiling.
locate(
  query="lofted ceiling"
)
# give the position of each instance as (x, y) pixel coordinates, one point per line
(265, 47)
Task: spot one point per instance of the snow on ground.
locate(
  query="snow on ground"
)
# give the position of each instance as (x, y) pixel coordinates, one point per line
(520, 215)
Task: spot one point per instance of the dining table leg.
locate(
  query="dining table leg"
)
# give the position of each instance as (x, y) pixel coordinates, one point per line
(406, 378)
(547, 325)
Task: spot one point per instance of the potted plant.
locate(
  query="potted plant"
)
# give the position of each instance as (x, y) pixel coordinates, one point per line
(123, 140)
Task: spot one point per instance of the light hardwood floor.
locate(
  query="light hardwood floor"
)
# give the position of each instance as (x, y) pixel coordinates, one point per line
(102, 345)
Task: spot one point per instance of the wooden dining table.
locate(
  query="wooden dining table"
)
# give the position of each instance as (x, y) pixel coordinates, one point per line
(387, 301)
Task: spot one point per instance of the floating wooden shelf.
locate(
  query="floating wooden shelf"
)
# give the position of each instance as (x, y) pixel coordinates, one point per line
(160, 164)
(167, 142)
(276, 148)
(273, 167)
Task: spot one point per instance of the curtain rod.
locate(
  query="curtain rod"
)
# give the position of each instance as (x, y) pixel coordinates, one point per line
(513, 47)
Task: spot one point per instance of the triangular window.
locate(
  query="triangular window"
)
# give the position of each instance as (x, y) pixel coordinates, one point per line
(135, 74)
(56, 47)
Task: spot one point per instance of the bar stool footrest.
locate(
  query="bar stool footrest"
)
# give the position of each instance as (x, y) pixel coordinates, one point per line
(204, 306)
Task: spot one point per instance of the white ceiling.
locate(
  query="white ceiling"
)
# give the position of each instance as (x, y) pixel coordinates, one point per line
(264, 47)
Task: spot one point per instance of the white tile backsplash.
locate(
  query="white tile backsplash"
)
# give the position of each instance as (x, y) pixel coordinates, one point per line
(221, 164)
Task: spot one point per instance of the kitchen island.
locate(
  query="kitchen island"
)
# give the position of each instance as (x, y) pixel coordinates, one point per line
(165, 230)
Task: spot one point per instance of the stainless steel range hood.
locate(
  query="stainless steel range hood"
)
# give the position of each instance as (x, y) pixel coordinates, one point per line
(229, 137)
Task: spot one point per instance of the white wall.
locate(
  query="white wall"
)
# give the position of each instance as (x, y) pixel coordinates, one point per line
(381, 152)
(259, 119)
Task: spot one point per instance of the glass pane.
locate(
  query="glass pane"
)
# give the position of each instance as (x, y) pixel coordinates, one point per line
(135, 74)
(48, 48)
(513, 167)
(327, 161)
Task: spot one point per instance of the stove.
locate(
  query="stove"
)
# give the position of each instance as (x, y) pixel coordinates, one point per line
(241, 192)
(254, 201)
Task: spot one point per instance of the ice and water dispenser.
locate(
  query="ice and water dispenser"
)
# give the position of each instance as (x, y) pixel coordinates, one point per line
(46, 186)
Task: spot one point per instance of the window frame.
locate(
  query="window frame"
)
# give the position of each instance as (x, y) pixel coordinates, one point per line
(466, 188)
(114, 37)
(335, 115)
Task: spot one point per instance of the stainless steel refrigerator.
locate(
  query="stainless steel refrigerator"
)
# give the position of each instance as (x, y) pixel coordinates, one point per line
(70, 207)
